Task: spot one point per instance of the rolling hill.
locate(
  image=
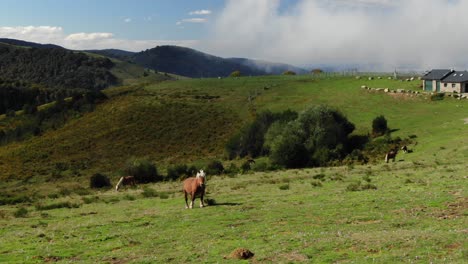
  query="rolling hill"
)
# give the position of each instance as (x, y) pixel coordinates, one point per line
(196, 64)
(191, 121)
(410, 210)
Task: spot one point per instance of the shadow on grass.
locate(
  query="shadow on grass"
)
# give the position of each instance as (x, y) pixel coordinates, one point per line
(212, 202)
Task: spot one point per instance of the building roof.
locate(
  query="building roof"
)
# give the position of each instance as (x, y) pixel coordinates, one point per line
(437, 74)
(457, 77)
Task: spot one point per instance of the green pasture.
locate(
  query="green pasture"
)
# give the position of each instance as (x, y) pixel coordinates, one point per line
(417, 214)
(409, 211)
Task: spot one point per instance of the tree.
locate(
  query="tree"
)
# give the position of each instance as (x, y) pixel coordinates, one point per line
(379, 126)
(289, 73)
(250, 140)
(143, 170)
(235, 74)
(316, 71)
(315, 138)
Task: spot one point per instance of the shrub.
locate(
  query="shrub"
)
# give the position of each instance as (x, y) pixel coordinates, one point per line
(99, 180)
(261, 165)
(149, 192)
(245, 167)
(316, 184)
(284, 187)
(215, 167)
(379, 126)
(21, 212)
(437, 97)
(289, 73)
(177, 172)
(143, 170)
(232, 169)
(250, 140)
(235, 74)
(88, 200)
(358, 186)
(316, 71)
(315, 138)
(41, 207)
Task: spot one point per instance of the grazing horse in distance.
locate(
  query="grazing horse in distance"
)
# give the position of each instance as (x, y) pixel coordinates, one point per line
(391, 155)
(195, 186)
(126, 180)
(405, 149)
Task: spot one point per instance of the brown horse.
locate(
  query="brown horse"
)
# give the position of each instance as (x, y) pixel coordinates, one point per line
(126, 180)
(391, 155)
(195, 186)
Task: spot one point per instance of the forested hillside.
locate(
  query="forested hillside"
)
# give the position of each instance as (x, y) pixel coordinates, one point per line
(190, 63)
(37, 76)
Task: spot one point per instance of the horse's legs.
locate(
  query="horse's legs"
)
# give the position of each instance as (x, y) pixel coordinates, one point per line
(192, 199)
(201, 200)
(186, 204)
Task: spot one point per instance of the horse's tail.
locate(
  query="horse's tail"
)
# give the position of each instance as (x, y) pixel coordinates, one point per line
(119, 183)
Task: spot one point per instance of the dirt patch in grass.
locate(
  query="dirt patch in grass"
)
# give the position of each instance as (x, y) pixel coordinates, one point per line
(454, 210)
(240, 253)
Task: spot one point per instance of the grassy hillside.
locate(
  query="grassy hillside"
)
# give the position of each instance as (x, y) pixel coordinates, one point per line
(411, 210)
(190, 120)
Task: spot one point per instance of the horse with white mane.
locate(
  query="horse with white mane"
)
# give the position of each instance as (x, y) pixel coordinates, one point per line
(195, 186)
(126, 180)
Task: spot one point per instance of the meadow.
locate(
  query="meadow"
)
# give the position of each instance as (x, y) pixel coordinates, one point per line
(416, 214)
(412, 210)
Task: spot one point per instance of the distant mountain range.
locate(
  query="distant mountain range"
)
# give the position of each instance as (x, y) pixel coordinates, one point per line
(192, 63)
(181, 61)
(23, 43)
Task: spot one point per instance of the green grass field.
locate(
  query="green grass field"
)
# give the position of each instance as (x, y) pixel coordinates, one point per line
(417, 214)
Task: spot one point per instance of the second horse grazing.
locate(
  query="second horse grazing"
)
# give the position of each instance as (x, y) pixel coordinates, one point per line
(391, 155)
(126, 180)
(195, 186)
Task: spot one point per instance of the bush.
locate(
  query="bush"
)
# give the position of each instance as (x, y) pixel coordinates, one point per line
(41, 207)
(232, 170)
(379, 126)
(235, 74)
(289, 73)
(21, 212)
(284, 187)
(177, 172)
(149, 192)
(245, 167)
(215, 167)
(437, 97)
(358, 186)
(315, 138)
(143, 170)
(250, 140)
(99, 180)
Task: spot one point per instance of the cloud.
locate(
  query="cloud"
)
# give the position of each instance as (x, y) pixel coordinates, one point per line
(202, 12)
(422, 33)
(127, 20)
(191, 20)
(46, 34)
(82, 41)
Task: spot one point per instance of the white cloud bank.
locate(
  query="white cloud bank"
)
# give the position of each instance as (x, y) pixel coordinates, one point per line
(82, 41)
(390, 33)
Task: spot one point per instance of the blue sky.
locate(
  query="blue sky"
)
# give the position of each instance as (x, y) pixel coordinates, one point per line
(142, 19)
(302, 32)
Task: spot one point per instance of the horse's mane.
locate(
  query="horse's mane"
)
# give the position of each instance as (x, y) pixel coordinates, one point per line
(201, 173)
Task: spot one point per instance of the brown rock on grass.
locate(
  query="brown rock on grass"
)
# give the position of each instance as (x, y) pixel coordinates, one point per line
(240, 253)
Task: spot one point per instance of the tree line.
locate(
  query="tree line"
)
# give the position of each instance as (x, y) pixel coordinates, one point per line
(37, 76)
